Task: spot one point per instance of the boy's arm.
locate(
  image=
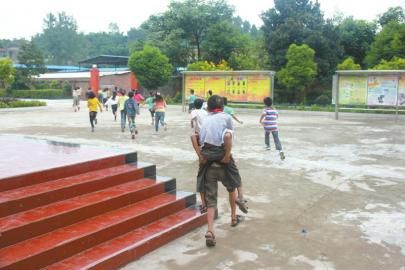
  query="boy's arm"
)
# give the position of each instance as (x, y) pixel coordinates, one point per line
(237, 119)
(99, 105)
(194, 142)
(261, 118)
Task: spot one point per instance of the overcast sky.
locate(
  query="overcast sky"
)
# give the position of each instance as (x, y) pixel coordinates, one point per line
(24, 18)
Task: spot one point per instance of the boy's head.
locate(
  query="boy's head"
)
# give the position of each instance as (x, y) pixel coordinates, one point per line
(91, 94)
(198, 103)
(130, 94)
(210, 92)
(192, 91)
(122, 91)
(215, 102)
(225, 101)
(268, 101)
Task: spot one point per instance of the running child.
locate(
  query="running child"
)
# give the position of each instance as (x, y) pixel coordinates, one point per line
(160, 109)
(150, 101)
(121, 107)
(92, 104)
(269, 121)
(191, 99)
(131, 110)
(113, 102)
(230, 111)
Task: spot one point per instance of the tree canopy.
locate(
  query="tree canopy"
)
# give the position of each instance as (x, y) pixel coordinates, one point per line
(151, 67)
(348, 64)
(6, 72)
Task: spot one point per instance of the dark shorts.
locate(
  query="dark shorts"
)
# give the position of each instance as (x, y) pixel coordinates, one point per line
(191, 106)
(214, 174)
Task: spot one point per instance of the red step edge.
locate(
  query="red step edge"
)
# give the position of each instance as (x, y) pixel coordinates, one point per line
(43, 219)
(134, 172)
(64, 171)
(122, 250)
(33, 257)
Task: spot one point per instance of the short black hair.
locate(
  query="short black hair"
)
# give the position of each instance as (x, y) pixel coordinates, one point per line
(158, 97)
(91, 94)
(225, 101)
(268, 101)
(131, 93)
(198, 102)
(210, 92)
(215, 102)
(192, 91)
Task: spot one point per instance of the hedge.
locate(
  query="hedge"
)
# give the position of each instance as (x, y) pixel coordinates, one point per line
(45, 93)
(14, 103)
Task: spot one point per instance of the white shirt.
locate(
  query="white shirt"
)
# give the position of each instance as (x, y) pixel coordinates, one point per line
(197, 117)
(214, 127)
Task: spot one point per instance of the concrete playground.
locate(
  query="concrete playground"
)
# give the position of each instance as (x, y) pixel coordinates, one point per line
(336, 202)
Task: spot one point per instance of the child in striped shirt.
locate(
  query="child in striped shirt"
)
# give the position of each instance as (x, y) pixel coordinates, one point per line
(269, 121)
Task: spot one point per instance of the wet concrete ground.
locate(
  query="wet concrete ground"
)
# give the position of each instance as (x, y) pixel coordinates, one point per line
(336, 202)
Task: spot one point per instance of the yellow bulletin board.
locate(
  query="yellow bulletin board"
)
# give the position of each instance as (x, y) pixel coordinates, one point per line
(352, 90)
(401, 91)
(237, 86)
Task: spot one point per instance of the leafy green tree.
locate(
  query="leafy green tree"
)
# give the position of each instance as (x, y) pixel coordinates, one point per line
(113, 43)
(393, 14)
(151, 67)
(300, 70)
(31, 57)
(222, 39)
(60, 41)
(183, 27)
(388, 43)
(356, 37)
(6, 72)
(300, 22)
(252, 57)
(348, 64)
(395, 63)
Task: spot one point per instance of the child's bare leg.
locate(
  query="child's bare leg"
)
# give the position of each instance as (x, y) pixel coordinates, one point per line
(203, 202)
(228, 147)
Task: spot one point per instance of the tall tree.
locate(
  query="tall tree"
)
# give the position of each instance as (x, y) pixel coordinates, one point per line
(393, 14)
(356, 37)
(31, 57)
(388, 43)
(348, 64)
(60, 40)
(300, 21)
(299, 71)
(187, 23)
(151, 67)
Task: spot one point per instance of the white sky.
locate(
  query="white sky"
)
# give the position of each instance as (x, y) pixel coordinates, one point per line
(24, 18)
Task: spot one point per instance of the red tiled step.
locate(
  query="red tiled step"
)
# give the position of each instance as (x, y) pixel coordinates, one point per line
(64, 242)
(122, 250)
(33, 178)
(40, 220)
(21, 199)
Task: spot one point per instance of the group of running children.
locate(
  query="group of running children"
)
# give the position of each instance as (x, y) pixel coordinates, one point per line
(128, 106)
(212, 141)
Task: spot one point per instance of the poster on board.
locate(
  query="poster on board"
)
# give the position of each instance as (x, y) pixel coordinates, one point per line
(382, 91)
(259, 87)
(195, 82)
(401, 91)
(236, 88)
(216, 84)
(352, 90)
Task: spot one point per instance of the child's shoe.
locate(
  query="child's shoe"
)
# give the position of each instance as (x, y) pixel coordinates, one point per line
(92, 129)
(282, 156)
(267, 147)
(133, 136)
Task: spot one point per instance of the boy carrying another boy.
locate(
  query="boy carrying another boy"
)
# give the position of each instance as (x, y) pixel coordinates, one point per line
(216, 163)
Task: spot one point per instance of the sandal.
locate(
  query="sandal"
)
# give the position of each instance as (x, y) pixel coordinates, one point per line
(235, 221)
(241, 203)
(210, 239)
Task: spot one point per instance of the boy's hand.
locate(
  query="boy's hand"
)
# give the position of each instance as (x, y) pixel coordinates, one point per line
(226, 159)
(201, 160)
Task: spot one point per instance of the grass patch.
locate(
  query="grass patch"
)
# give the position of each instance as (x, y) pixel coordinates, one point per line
(15, 103)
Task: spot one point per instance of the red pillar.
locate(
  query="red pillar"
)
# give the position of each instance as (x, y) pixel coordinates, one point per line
(134, 81)
(95, 79)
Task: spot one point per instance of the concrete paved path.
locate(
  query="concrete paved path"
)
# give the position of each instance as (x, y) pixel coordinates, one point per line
(336, 202)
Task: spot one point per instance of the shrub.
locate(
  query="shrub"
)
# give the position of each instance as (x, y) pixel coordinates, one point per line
(15, 103)
(323, 100)
(2, 93)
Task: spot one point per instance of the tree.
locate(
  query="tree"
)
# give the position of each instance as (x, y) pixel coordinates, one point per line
(151, 67)
(356, 37)
(393, 14)
(6, 72)
(300, 22)
(388, 43)
(348, 64)
(31, 57)
(208, 66)
(222, 39)
(395, 63)
(60, 40)
(300, 70)
(183, 27)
